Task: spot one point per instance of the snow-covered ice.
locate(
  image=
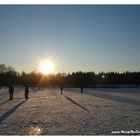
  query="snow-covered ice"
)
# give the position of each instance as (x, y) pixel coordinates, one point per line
(97, 111)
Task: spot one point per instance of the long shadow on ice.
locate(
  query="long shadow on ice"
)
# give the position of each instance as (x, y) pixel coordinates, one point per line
(115, 98)
(68, 98)
(8, 113)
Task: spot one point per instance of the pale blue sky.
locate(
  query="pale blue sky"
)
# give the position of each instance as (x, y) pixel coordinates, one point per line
(81, 37)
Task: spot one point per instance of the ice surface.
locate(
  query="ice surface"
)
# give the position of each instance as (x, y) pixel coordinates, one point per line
(95, 112)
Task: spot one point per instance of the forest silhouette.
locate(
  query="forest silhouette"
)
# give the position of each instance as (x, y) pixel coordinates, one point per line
(8, 76)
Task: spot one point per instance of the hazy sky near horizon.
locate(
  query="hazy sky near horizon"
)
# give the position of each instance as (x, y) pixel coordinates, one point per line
(76, 37)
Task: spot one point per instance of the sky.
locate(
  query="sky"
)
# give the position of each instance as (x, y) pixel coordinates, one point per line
(75, 37)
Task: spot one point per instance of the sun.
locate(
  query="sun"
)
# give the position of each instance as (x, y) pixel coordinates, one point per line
(46, 67)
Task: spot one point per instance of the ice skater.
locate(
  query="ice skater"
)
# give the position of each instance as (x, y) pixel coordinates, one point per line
(61, 89)
(11, 92)
(82, 88)
(26, 92)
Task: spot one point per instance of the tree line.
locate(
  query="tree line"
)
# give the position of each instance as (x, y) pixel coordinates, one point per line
(8, 75)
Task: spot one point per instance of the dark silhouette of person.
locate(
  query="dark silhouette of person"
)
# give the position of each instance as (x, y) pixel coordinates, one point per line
(11, 91)
(26, 92)
(82, 88)
(61, 88)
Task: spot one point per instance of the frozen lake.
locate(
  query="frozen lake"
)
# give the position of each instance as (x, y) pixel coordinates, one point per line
(97, 111)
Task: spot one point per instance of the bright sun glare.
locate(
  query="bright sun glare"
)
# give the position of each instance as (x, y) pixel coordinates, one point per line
(46, 67)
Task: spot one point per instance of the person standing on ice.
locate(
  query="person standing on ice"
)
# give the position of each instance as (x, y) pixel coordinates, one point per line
(11, 91)
(61, 88)
(26, 92)
(82, 86)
